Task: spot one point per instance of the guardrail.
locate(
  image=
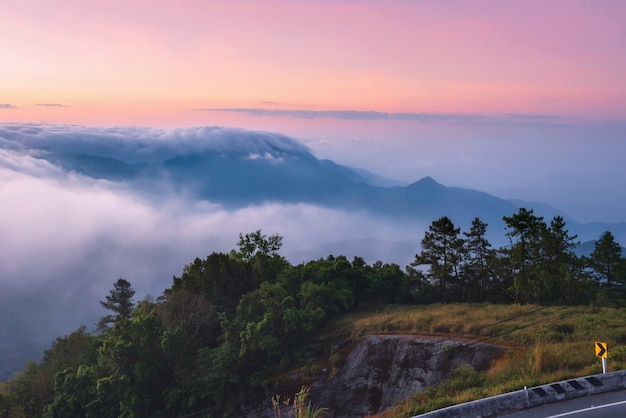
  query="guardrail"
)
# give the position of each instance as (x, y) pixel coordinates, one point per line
(529, 397)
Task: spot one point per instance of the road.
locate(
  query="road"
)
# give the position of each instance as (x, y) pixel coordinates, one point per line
(604, 405)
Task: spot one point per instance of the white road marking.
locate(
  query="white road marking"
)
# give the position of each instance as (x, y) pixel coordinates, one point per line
(578, 411)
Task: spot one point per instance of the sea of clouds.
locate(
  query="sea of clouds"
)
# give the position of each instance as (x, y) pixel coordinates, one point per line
(66, 238)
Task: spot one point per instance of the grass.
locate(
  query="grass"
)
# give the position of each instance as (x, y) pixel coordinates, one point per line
(301, 407)
(547, 344)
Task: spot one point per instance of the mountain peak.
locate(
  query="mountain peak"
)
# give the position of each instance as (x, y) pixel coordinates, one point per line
(427, 182)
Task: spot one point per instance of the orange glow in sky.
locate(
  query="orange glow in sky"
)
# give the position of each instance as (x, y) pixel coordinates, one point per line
(155, 61)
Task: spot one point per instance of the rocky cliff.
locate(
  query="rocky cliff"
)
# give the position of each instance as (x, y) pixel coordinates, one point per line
(382, 370)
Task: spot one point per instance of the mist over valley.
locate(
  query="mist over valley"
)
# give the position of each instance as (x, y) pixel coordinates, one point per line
(84, 206)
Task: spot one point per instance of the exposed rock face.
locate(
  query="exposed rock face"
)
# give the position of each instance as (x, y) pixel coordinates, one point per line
(382, 370)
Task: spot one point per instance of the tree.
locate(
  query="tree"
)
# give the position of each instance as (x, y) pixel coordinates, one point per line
(255, 243)
(558, 262)
(120, 301)
(220, 278)
(386, 283)
(559, 245)
(527, 229)
(70, 351)
(478, 254)
(261, 254)
(605, 258)
(134, 373)
(31, 390)
(10, 405)
(75, 395)
(190, 318)
(524, 253)
(441, 250)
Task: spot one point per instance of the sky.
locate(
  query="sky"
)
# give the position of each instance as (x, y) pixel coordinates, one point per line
(520, 99)
(405, 88)
(154, 61)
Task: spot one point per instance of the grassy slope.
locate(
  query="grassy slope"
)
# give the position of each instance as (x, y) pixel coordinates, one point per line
(547, 344)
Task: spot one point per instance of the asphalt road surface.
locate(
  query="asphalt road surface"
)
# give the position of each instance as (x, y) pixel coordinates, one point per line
(604, 405)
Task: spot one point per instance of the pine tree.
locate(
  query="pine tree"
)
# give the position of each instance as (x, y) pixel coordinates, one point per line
(119, 301)
(605, 258)
(558, 263)
(442, 251)
(478, 254)
(524, 254)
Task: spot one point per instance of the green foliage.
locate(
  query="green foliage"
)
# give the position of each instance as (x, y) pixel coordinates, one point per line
(10, 405)
(477, 268)
(460, 379)
(75, 394)
(301, 407)
(220, 278)
(442, 252)
(605, 259)
(256, 244)
(191, 322)
(465, 377)
(539, 266)
(261, 254)
(335, 358)
(231, 321)
(385, 283)
(71, 351)
(133, 365)
(525, 230)
(31, 390)
(119, 301)
(618, 353)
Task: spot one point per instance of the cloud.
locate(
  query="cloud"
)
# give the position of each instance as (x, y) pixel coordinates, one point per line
(66, 238)
(23, 162)
(373, 115)
(50, 105)
(283, 104)
(7, 106)
(144, 144)
(69, 237)
(267, 156)
(68, 222)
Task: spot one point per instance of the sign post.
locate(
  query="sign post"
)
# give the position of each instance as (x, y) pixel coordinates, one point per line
(602, 351)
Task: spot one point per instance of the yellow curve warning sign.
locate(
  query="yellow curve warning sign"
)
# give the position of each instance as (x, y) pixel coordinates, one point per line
(601, 350)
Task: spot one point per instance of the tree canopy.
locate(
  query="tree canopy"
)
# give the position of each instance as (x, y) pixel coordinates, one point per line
(119, 301)
(231, 321)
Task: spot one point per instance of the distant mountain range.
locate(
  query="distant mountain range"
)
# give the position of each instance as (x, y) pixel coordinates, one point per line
(230, 168)
(286, 172)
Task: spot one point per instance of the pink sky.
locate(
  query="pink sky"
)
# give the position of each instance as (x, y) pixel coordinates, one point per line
(151, 62)
(521, 99)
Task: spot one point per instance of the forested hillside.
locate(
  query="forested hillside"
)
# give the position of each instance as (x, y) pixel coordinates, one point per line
(233, 321)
